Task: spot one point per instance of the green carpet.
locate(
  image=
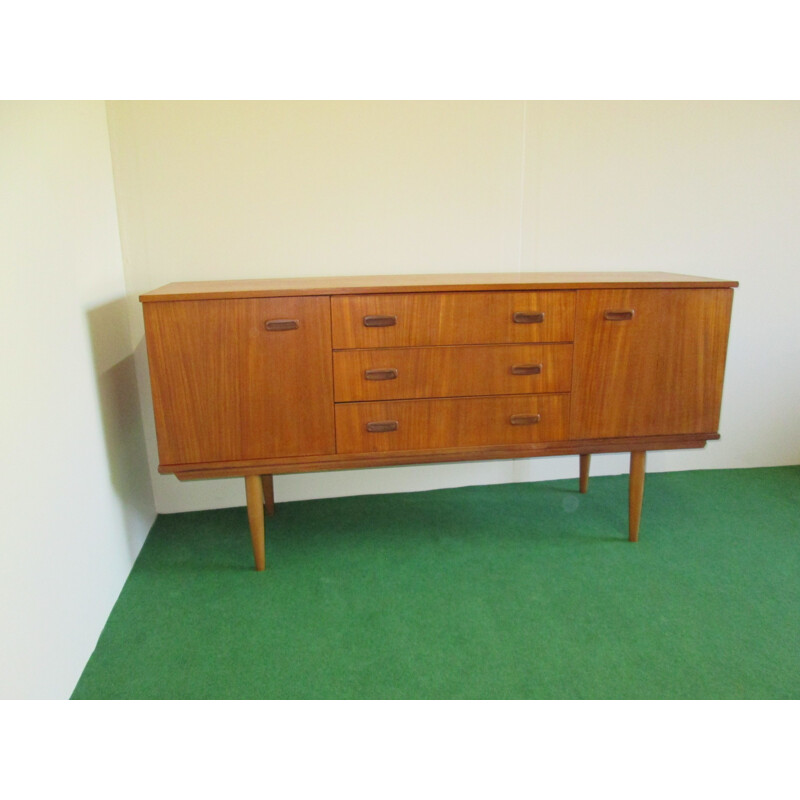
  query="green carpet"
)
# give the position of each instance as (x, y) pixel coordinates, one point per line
(512, 591)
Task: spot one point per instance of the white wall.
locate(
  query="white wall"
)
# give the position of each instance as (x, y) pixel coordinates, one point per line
(75, 495)
(267, 189)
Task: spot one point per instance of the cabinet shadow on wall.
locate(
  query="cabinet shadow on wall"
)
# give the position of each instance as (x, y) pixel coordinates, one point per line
(120, 410)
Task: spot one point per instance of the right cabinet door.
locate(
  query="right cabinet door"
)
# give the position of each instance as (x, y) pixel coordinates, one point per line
(648, 362)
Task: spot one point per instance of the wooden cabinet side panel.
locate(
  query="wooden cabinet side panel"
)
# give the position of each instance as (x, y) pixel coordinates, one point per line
(192, 349)
(660, 372)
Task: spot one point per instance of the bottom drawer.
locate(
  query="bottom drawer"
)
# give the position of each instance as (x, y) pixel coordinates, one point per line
(460, 422)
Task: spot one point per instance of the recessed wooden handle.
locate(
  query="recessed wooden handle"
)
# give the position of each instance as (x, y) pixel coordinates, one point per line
(524, 419)
(384, 426)
(618, 314)
(526, 369)
(380, 374)
(380, 321)
(281, 324)
(528, 317)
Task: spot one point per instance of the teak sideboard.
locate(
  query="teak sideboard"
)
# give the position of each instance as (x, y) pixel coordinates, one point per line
(262, 377)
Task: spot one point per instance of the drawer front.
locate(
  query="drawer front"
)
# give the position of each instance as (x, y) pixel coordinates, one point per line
(461, 422)
(405, 320)
(460, 370)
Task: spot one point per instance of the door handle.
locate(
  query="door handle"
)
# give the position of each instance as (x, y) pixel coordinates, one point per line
(524, 419)
(526, 369)
(528, 317)
(282, 324)
(384, 426)
(380, 321)
(380, 374)
(619, 315)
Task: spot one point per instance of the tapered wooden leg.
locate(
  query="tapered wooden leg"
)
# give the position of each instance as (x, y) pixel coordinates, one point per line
(584, 481)
(255, 514)
(269, 494)
(636, 494)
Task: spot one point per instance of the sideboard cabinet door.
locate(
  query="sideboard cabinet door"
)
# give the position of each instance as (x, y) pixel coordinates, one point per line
(241, 379)
(649, 362)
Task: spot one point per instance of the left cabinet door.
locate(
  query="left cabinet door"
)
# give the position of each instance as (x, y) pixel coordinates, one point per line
(240, 379)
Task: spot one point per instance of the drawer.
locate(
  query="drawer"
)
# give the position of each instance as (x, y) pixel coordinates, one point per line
(444, 318)
(459, 422)
(460, 370)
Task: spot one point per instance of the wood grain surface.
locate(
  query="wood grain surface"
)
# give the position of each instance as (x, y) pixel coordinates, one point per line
(659, 372)
(466, 282)
(460, 422)
(452, 318)
(225, 388)
(455, 371)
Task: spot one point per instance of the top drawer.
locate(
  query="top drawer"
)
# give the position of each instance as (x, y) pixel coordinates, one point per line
(406, 320)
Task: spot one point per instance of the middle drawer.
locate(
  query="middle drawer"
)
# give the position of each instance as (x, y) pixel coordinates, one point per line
(455, 371)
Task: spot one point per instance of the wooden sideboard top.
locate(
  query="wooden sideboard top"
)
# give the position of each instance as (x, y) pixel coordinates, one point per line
(457, 282)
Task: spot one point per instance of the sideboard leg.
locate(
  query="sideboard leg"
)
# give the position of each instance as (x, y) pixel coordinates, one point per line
(584, 481)
(636, 493)
(269, 494)
(255, 515)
